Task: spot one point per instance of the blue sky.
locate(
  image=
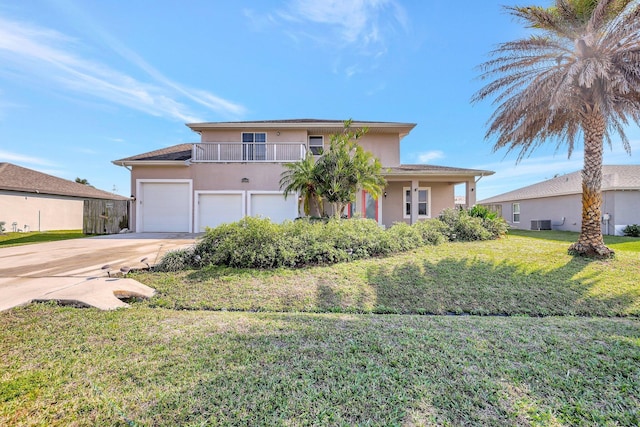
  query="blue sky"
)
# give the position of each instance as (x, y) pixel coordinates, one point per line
(86, 82)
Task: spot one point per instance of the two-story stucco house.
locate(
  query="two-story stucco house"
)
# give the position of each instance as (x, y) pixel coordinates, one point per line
(235, 170)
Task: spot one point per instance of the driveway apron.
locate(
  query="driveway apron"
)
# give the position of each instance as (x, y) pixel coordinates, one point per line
(70, 271)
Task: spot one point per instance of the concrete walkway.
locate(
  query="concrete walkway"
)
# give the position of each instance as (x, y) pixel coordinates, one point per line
(70, 271)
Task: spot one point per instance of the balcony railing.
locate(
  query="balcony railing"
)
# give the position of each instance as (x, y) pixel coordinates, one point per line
(248, 152)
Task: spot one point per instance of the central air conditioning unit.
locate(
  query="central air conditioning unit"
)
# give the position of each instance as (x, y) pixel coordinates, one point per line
(540, 224)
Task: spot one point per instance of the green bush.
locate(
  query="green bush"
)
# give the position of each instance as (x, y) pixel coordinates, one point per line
(259, 243)
(249, 243)
(497, 227)
(432, 231)
(632, 230)
(462, 225)
(482, 212)
(470, 228)
(403, 237)
(180, 259)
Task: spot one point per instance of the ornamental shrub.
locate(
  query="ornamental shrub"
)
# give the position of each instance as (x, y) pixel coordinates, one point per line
(403, 237)
(632, 230)
(482, 212)
(432, 231)
(258, 243)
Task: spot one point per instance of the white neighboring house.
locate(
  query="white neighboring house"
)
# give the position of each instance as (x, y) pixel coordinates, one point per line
(556, 204)
(34, 201)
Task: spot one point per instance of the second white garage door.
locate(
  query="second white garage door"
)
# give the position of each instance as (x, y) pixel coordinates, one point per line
(272, 205)
(219, 208)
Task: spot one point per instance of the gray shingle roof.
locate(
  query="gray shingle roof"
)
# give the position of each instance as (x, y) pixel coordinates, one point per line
(17, 178)
(435, 170)
(175, 152)
(614, 177)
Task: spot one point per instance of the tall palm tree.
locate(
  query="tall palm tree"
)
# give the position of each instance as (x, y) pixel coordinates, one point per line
(300, 178)
(578, 76)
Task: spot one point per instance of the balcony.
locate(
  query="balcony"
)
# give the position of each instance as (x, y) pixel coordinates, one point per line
(228, 152)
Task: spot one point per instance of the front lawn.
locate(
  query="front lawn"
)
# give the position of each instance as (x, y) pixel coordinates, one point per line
(157, 367)
(17, 239)
(523, 274)
(166, 362)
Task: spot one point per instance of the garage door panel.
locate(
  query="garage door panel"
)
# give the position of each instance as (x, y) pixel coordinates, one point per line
(165, 207)
(274, 206)
(216, 209)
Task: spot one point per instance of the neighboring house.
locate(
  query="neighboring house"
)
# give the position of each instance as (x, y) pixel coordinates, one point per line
(34, 201)
(557, 203)
(235, 170)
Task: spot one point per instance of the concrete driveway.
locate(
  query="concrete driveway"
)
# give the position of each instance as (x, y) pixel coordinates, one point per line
(71, 270)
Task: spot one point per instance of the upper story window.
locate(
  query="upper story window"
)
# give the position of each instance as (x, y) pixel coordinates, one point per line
(316, 145)
(253, 145)
(424, 202)
(516, 212)
(254, 137)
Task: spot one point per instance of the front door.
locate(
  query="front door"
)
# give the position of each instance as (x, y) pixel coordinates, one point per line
(369, 206)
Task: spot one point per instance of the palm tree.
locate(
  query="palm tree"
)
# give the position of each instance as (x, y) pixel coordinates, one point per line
(579, 76)
(345, 168)
(300, 177)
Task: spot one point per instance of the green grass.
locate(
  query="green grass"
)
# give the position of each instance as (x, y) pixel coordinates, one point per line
(17, 239)
(164, 362)
(64, 366)
(524, 274)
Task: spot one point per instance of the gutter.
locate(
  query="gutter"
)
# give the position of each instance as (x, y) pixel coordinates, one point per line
(129, 168)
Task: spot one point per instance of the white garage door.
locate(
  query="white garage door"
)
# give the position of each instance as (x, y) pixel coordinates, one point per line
(216, 209)
(165, 207)
(273, 206)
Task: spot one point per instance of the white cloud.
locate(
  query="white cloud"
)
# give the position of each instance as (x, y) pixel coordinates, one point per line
(361, 26)
(356, 21)
(429, 156)
(48, 56)
(7, 156)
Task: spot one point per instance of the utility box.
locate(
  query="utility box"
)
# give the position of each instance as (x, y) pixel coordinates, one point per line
(540, 224)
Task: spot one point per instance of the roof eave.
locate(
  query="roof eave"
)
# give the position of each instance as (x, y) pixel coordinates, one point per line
(402, 128)
(125, 163)
(472, 173)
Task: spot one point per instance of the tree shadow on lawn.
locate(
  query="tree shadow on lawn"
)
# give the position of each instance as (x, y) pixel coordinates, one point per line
(475, 286)
(410, 285)
(393, 370)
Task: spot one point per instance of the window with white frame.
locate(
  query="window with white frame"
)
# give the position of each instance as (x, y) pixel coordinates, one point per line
(424, 202)
(316, 145)
(254, 147)
(516, 212)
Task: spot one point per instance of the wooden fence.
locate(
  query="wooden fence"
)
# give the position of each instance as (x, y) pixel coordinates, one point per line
(105, 216)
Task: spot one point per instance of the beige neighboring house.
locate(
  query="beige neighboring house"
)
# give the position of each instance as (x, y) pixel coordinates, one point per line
(234, 171)
(34, 201)
(556, 204)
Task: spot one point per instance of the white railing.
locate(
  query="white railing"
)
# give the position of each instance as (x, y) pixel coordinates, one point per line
(248, 152)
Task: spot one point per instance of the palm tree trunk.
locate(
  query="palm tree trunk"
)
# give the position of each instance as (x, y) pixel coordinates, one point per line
(590, 243)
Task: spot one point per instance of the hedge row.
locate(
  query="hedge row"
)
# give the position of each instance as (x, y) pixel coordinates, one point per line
(259, 243)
